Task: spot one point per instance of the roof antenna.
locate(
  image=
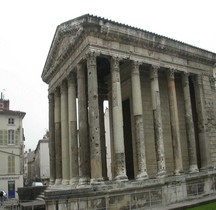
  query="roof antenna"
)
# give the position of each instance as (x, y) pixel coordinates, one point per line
(2, 94)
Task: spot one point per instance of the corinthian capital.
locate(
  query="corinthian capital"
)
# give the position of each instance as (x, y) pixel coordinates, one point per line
(91, 58)
(199, 79)
(171, 74)
(135, 67)
(154, 71)
(185, 78)
(115, 63)
(72, 76)
(63, 86)
(57, 92)
(51, 98)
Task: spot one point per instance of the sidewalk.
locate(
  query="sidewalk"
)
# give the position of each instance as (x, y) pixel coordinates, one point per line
(9, 204)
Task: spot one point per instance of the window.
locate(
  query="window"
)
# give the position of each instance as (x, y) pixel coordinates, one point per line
(11, 137)
(11, 121)
(11, 164)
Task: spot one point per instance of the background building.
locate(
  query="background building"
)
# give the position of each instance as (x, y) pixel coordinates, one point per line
(11, 148)
(41, 158)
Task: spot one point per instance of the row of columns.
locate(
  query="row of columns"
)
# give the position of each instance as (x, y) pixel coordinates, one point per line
(68, 166)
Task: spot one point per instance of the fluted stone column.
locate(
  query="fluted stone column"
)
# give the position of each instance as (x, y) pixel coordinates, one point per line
(94, 119)
(156, 107)
(64, 135)
(202, 122)
(58, 137)
(72, 120)
(102, 138)
(174, 122)
(189, 124)
(118, 135)
(113, 170)
(138, 119)
(52, 139)
(83, 127)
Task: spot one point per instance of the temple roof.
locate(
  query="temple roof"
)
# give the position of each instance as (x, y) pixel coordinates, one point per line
(71, 33)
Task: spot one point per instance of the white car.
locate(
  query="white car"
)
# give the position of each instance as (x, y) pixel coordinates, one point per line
(37, 184)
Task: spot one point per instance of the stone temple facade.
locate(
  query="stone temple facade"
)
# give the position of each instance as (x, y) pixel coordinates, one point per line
(162, 113)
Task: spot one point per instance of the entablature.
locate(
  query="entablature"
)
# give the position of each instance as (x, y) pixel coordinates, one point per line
(90, 33)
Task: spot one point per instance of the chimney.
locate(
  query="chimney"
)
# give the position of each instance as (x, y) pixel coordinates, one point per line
(6, 104)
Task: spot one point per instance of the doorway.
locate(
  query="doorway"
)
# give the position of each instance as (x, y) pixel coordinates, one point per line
(11, 189)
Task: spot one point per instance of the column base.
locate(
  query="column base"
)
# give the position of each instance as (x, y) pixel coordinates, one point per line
(178, 172)
(142, 176)
(206, 168)
(58, 181)
(74, 181)
(121, 178)
(52, 182)
(106, 178)
(161, 174)
(97, 181)
(65, 182)
(193, 169)
(83, 181)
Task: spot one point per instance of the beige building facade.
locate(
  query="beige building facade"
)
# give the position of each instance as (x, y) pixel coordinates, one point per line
(161, 98)
(11, 149)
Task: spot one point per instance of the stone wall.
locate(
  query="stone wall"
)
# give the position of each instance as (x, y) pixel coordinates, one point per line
(151, 194)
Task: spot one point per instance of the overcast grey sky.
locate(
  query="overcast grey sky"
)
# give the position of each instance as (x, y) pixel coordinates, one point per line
(28, 27)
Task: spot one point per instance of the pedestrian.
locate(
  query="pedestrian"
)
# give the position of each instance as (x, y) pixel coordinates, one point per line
(4, 195)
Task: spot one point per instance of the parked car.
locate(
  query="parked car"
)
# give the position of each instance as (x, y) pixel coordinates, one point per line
(37, 184)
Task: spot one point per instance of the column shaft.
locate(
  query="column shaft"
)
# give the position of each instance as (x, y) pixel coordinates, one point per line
(174, 122)
(94, 119)
(156, 107)
(113, 170)
(58, 137)
(189, 125)
(118, 135)
(138, 118)
(202, 121)
(64, 135)
(72, 120)
(52, 139)
(83, 127)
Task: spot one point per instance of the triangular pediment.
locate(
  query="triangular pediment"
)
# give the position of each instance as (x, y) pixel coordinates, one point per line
(65, 36)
